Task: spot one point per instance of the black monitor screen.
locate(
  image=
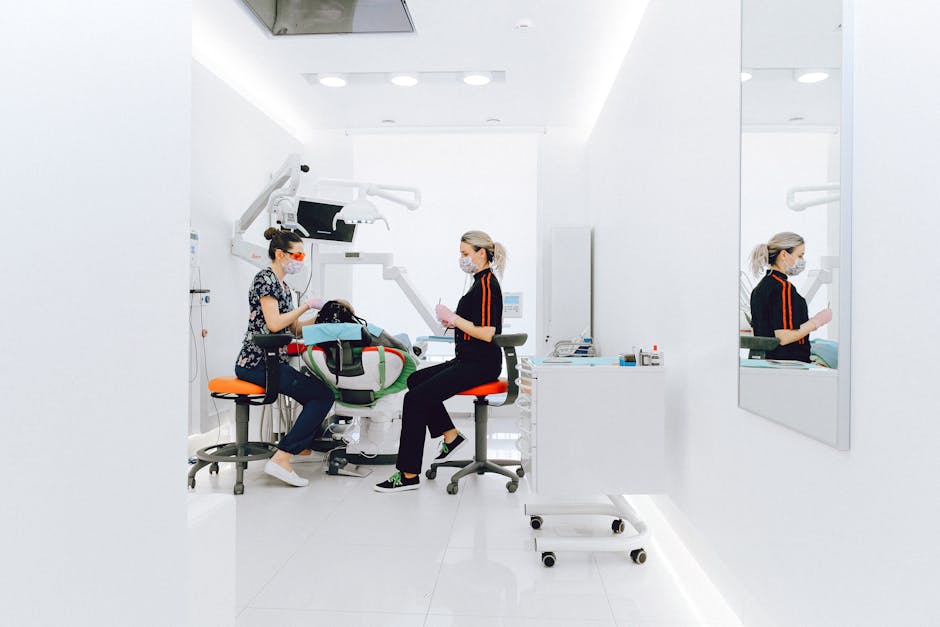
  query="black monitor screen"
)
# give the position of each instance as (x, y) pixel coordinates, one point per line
(317, 219)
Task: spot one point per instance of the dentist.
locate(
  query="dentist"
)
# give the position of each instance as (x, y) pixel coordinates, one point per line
(479, 317)
(272, 311)
(777, 309)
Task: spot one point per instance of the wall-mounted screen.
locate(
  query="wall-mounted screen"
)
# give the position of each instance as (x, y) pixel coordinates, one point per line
(316, 216)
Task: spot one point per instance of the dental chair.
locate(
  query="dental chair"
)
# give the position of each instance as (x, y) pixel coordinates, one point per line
(508, 386)
(367, 382)
(245, 394)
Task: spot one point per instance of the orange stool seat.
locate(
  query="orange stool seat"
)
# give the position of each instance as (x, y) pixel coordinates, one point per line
(496, 387)
(234, 385)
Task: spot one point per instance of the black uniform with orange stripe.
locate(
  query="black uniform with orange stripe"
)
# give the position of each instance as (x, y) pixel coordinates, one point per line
(483, 306)
(775, 304)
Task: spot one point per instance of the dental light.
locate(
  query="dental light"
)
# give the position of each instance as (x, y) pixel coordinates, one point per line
(361, 210)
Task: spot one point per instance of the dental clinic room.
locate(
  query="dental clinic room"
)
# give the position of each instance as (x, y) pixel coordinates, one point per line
(453, 313)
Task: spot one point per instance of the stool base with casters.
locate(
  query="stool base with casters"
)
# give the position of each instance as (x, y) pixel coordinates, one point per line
(509, 386)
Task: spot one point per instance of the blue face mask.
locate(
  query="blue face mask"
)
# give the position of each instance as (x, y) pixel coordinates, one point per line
(293, 266)
(467, 265)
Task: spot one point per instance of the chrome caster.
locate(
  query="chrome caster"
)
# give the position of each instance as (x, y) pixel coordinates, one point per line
(512, 486)
(239, 488)
(452, 488)
(214, 468)
(520, 472)
(430, 473)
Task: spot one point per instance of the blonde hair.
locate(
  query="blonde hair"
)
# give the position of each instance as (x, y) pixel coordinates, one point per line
(765, 255)
(495, 252)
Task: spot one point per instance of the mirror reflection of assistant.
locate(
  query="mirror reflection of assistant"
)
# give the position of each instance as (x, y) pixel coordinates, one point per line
(777, 309)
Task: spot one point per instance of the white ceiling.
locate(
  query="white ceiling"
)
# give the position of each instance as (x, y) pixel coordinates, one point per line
(779, 36)
(558, 72)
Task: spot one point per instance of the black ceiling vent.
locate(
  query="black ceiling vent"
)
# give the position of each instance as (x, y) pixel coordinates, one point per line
(332, 17)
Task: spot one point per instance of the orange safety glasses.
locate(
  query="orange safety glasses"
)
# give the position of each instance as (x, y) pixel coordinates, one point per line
(295, 256)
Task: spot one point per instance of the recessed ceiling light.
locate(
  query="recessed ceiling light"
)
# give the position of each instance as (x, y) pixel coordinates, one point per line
(404, 79)
(746, 76)
(811, 76)
(332, 80)
(388, 121)
(493, 120)
(523, 25)
(477, 78)
(796, 118)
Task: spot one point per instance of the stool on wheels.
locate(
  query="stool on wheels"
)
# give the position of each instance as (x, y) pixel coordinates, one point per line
(245, 394)
(508, 386)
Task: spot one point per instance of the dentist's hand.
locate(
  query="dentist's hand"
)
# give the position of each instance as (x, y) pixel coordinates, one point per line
(315, 303)
(445, 315)
(822, 318)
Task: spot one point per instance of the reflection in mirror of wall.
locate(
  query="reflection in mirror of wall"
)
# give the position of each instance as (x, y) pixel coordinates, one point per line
(794, 213)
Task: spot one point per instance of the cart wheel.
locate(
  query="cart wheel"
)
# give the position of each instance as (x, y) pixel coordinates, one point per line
(512, 486)
(214, 468)
(618, 526)
(431, 473)
(535, 522)
(239, 488)
(452, 488)
(638, 556)
(192, 483)
(520, 472)
(548, 559)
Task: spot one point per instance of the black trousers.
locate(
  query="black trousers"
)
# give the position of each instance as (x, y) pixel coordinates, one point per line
(428, 388)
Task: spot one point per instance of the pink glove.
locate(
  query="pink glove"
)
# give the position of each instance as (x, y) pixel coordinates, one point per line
(822, 318)
(316, 303)
(445, 315)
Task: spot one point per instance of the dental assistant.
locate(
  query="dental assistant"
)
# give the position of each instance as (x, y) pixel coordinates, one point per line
(272, 311)
(777, 309)
(479, 317)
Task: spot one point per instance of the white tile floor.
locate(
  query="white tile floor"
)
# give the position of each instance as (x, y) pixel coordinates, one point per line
(338, 553)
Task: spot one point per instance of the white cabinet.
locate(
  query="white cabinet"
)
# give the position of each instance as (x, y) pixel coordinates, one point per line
(592, 427)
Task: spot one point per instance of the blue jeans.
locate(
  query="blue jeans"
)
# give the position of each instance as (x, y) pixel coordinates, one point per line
(313, 394)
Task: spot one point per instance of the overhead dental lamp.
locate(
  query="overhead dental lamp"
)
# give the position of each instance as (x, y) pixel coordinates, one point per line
(361, 210)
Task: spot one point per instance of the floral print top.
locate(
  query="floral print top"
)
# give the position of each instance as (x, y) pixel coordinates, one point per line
(265, 283)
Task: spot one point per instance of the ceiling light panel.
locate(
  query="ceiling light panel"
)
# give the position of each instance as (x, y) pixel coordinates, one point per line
(385, 78)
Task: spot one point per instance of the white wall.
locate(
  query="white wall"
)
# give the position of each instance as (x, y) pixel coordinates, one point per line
(467, 181)
(562, 189)
(236, 148)
(796, 532)
(94, 166)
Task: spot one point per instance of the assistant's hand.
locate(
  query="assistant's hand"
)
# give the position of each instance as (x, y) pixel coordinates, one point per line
(822, 318)
(316, 303)
(445, 315)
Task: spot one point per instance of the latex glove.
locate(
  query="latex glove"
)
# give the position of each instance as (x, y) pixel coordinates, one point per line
(445, 315)
(822, 318)
(316, 303)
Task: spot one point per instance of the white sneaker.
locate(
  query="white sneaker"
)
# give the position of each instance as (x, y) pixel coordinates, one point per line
(287, 476)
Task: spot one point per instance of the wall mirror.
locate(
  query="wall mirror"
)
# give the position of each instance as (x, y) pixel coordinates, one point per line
(795, 178)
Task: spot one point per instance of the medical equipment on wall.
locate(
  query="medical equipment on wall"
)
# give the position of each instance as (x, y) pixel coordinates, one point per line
(823, 276)
(512, 304)
(361, 210)
(279, 198)
(800, 205)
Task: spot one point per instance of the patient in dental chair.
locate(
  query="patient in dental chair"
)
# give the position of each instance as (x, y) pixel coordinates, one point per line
(341, 311)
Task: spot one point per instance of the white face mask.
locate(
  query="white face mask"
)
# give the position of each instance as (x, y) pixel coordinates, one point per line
(467, 265)
(293, 266)
(796, 268)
